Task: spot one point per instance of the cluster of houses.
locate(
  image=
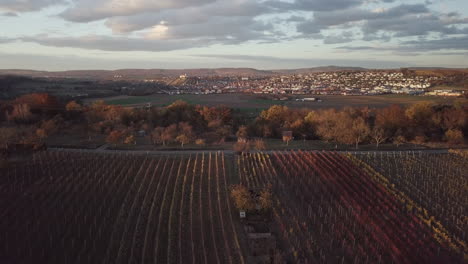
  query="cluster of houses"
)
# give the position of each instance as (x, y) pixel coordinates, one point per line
(324, 83)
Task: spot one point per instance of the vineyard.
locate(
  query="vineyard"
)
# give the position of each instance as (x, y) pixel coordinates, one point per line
(331, 208)
(94, 208)
(328, 207)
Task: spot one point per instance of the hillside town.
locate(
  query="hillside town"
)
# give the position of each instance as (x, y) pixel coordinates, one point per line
(325, 83)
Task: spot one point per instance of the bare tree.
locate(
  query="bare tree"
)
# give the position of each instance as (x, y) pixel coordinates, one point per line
(242, 133)
(378, 134)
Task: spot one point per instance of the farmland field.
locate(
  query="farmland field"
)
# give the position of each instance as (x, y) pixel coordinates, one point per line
(252, 102)
(328, 207)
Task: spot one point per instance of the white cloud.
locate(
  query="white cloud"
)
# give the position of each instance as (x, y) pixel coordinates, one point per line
(91, 10)
(158, 32)
(162, 25)
(27, 5)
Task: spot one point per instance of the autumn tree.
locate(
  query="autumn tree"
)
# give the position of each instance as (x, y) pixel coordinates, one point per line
(73, 106)
(265, 200)
(451, 118)
(399, 140)
(130, 140)
(273, 120)
(185, 134)
(454, 136)
(200, 142)
(223, 132)
(41, 133)
(287, 136)
(20, 113)
(420, 119)
(329, 127)
(50, 126)
(182, 139)
(114, 137)
(391, 119)
(260, 144)
(169, 134)
(181, 111)
(156, 135)
(114, 113)
(220, 114)
(242, 198)
(40, 101)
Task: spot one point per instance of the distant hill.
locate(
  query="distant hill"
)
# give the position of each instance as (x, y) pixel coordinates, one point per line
(319, 69)
(139, 74)
(154, 73)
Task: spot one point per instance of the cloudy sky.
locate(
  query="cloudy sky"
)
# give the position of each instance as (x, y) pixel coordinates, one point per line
(265, 34)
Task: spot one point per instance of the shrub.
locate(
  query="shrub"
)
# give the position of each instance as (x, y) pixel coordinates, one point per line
(260, 144)
(200, 142)
(454, 136)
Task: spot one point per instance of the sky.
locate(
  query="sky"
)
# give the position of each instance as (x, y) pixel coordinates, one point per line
(60, 35)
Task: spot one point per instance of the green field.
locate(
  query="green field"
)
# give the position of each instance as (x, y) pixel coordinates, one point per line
(253, 103)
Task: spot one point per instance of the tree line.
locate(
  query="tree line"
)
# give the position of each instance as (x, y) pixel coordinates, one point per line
(35, 117)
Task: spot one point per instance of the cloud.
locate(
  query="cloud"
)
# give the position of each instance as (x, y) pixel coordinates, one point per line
(325, 20)
(219, 10)
(9, 14)
(227, 31)
(344, 37)
(27, 5)
(414, 25)
(91, 10)
(316, 5)
(165, 25)
(111, 43)
(383, 24)
(5, 40)
(456, 44)
(451, 43)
